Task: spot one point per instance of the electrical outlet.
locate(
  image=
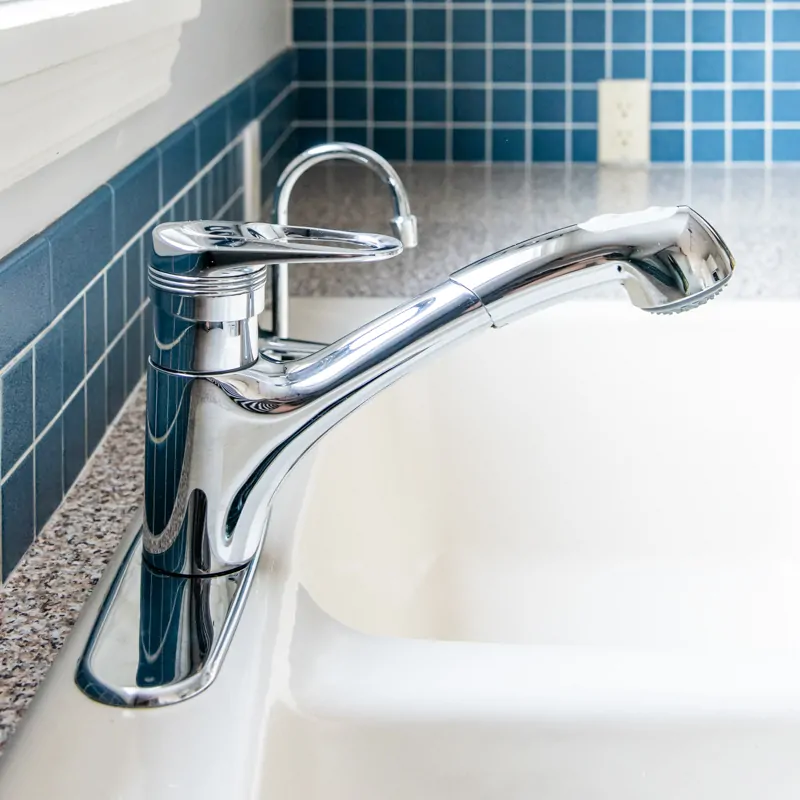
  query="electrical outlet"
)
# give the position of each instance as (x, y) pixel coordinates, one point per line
(623, 121)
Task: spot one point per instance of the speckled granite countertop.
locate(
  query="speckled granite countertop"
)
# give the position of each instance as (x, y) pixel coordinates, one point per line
(464, 212)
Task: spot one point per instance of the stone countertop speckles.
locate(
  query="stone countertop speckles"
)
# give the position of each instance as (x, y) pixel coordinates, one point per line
(464, 212)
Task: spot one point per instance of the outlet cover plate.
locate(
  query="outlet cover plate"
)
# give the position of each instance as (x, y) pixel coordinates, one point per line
(623, 121)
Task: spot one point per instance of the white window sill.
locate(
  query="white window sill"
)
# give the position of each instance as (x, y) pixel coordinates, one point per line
(71, 69)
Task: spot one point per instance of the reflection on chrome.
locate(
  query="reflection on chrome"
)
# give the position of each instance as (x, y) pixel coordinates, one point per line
(226, 425)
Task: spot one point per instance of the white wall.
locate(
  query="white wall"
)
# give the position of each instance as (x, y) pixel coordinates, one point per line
(226, 43)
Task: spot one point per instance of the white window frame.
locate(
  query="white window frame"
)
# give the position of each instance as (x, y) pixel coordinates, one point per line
(71, 69)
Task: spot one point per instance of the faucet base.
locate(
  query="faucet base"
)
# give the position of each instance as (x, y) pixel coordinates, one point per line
(159, 638)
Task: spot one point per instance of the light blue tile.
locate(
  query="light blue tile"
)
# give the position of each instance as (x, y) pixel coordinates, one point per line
(667, 106)
(748, 66)
(748, 145)
(786, 66)
(785, 105)
(786, 145)
(748, 105)
(666, 146)
(786, 25)
(708, 66)
(669, 66)
(748, 26)
(627, 64)
(708, 146)
(708, 26)
(628, 26)
(708, 106)
(669, 26)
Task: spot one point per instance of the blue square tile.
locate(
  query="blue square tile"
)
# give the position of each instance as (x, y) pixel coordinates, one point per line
(628, 26)
(708, 106)
(508, 145)
(81, 245)
(115, 299)
(708, 145)
(25, 299)
(508, 25)
(508, 66)
(241, 109)
(17, 502)
(748, 66)
(628, 64)
(588, 66)
(312, 64)
(179, 159)
(588, 26)
(669, 26)
(748, 145)
(469, 144)
(349, 25)
(429, 144)
(785, 66)
(350, 64)
(508, 105)
(312, 103)
(429, 65)
(136, 198)
(133, 354)
(274, 125)
(748, 26)
(669, 66)
(429, 25)
(310, 24)
(708, 66)
(469, 105)
(548, 146)
(548, 26)
(549, 105)
(389, 104)
(389, 25)
(390, 143)
(549, 66)
(134, 276)
(213, 133)
(786, 25)
(115, 379)
(429, 105)
(311, 136)
(584, 146)
(95, 322)
(785, 105)
(708, 26)
(748, 105)
(96, 408)
(268, 83)
(469, 25)
(469, 66)
(49, 485)
(48, 356)
(666, 146)
(17, 419)
(74, 456)
(667, 106)
(74, 355)
(388, 65)
(350, 133)
(584, 105)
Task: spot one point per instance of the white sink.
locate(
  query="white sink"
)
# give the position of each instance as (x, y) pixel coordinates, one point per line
(561, 561)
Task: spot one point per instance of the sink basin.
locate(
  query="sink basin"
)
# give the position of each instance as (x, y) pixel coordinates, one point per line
(561, 561)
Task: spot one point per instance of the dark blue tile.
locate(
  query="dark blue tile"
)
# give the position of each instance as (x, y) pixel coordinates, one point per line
(25, 300)
(310, 25)
(469, 25)
(349, 24)
(95, 322)
(669, 26)
(588, 26)
(469, 144)
(350, 64)
(136, 197)
(389, 105)
(508, 105)
(669, 66)
(708, 145)
(269, 82)
(388, 65)
(312, 103)
(748, 106)
(389, 25)
(667, 106)
(588, 66)
(666, 146)
(74, 355)
(115, 379)
(429, 105)
(549, 26)
(115, 299)
(508, 25)
(133, 354)
(584, 105)
(786, 145)
(708, 66)
(748, 145)
(17, 422)
(309, 137)
(584, 146)
(134, 279)
(628, 26)
(212, 127)
(16, 499)
(241, 107)
(469, 105)
(74, 439)
(548, 146)
(48, 363)
(508, 66)
(549, 66)
(429, 25)
(429, 144)
(549, 105)
(469, 66)
(81, 245)
(350, 104)
(96, 408)
(312, 64)
(508, 145)
(748, 26)
(626, 64)
(179, 160)
(390, 143)
(49, 476)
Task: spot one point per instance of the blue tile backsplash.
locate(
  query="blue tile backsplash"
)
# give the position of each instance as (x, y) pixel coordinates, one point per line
(74, 319)
(517, 80)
